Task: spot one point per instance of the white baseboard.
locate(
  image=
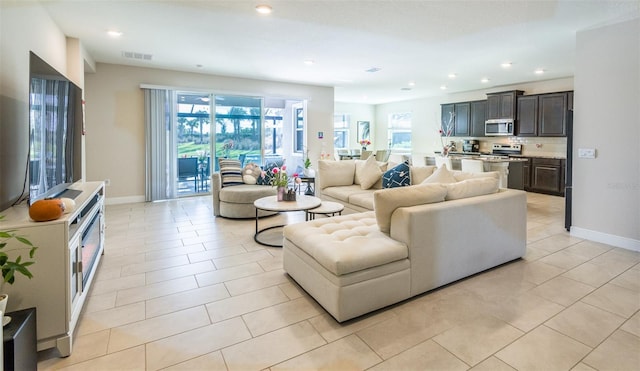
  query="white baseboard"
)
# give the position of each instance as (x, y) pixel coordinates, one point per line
(123, 200)
(609, 239)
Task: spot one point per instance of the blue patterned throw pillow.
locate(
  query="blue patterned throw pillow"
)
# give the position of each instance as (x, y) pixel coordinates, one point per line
(399, 176)
(268, 174)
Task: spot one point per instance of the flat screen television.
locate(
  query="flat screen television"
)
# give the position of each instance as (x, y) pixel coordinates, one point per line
(55, 132)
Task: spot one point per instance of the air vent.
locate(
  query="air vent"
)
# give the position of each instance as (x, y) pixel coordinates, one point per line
(139, 56)
(405, 89)
(372, 69)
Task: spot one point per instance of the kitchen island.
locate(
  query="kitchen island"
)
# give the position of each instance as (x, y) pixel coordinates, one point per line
(501, 164)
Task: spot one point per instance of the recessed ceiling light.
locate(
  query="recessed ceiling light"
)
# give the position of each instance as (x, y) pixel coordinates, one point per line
(309, 62)
(443, 87)
(205, 99)
(264, 9)
(506, 64)
(114, 33)
(484, 80)
(452, 75)
(412, 83)
(539, 71)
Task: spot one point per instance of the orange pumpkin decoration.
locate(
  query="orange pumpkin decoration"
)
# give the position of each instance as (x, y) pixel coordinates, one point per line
(47, 209)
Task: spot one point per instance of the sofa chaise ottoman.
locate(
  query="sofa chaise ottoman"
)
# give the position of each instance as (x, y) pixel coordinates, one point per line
(414, 241)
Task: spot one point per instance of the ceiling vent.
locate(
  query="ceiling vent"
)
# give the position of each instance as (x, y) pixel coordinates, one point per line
(405, 89)
(138, 56)
(372, 69)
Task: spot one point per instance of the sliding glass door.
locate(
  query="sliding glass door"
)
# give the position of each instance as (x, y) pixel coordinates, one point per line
(183, 147)
(238, 128)
(192, 129)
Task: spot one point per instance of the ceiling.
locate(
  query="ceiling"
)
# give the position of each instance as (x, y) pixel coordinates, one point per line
(422, 42)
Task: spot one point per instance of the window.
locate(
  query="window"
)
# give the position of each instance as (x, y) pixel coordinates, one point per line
(298, 138)
(340, 131)
(399, 133)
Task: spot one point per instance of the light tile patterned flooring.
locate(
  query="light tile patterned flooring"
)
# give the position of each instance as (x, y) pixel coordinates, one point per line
(181, 290)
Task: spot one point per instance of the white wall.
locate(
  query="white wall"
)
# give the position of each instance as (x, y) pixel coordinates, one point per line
(24, 27)
(606, 203)
(358, 112)
(115, 147)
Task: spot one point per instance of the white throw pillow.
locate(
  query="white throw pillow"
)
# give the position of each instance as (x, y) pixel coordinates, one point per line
(464, 175)
(367, 172)
(472, 187)
(335, 173)
(386, 201)
(420, 173)
(441, 175)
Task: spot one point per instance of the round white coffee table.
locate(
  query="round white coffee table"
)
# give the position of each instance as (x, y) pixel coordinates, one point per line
(271, 203)
(327, 208)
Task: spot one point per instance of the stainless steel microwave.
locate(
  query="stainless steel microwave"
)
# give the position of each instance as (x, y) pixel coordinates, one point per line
(498, 127)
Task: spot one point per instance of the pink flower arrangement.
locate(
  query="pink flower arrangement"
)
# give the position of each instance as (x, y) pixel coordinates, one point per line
(280, 177)
(365, 142)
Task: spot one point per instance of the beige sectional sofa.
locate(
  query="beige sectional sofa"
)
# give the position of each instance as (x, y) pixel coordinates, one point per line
(417, 238)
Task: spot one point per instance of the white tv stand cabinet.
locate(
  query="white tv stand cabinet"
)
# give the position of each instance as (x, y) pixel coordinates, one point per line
(69, 251)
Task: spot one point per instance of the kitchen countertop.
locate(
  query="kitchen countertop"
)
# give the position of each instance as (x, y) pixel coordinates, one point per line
(542, 156)
(477, 156)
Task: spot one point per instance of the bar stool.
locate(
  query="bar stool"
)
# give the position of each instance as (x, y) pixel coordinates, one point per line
(472, 166)
(444, 161)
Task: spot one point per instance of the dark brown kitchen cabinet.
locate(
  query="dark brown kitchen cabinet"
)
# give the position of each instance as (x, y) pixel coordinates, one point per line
(547, 175)
(502, 105)
(527, 122)
(526, 174)
(469, 118)
(552, 115)
(447, 110)
(461, 128)
(478, 117)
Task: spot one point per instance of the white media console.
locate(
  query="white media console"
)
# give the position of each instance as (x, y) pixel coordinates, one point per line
(69, 251)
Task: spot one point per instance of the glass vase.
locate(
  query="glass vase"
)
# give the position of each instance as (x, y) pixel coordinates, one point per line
(281, 191)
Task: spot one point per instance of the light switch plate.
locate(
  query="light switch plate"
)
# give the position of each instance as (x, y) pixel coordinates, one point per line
(586, 152)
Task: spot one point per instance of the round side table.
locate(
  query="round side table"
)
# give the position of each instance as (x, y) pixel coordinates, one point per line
(271, 203)
(327, 208)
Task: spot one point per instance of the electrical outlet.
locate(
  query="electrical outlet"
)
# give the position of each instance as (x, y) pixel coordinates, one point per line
(107, 182)
(587, 153)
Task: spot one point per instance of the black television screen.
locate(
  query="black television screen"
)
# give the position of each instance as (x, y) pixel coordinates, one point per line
(55, 131)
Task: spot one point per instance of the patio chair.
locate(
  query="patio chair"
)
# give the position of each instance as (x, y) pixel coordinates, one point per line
(188, 170)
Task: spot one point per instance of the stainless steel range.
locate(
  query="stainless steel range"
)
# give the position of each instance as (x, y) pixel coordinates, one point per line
(499, 150)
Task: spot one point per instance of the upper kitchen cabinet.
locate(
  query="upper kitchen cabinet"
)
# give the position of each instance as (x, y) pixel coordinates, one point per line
(502, 105)
(447, 110)
(543, 115)
(478, 117)
(552, 115)
(527, 122)
(462, 128)
(469, 118)
(460, 124)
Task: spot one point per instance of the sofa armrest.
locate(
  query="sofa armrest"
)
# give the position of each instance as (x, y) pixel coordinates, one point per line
(454, 239)
(216, 186)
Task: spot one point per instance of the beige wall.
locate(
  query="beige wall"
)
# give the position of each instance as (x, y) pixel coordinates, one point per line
(606, 203)
(24, 26)
(115, 147)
